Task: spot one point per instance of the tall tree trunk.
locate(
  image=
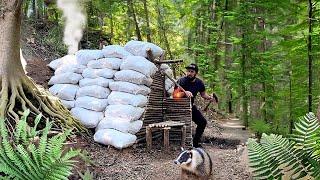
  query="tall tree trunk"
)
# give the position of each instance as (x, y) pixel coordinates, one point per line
(145, 7)
(129, 23)
(290, 100)
(163, 30)
(111, 27)
(309, 55)
(18, 91)
(243, 78)
(133, 15)
(26, 8)
(228, 58)
(262, 49)
(219, 29)
(34, 9)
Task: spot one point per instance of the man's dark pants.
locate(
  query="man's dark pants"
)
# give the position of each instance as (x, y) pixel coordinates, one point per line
(201, 123)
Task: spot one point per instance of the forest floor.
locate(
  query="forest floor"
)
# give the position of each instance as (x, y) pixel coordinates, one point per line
(223, 139)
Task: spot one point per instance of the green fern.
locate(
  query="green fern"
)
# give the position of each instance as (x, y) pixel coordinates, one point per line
(277, 157)
(23, 158)
(87, 175)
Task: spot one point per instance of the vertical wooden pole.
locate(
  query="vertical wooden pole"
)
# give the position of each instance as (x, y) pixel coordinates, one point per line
(183, 136)
(149, 137)
(166, 137)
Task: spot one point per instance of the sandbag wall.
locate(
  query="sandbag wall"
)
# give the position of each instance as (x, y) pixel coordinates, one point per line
(107, 89)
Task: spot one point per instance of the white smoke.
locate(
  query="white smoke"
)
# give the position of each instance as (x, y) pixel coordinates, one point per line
(75, 22)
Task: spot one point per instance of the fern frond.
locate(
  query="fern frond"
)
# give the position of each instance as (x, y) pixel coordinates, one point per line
(9, 152)
(56, 143)
(21, 125)
(43, 141)
(87, 175)
(48, 160)
(294, 157)
(305, 134)
(263, 163)
(34, 153)
(33, 131)
(315, 169)
(9, 171)
(6, 161)
(32, 168)
(70, 154)
(59, 170)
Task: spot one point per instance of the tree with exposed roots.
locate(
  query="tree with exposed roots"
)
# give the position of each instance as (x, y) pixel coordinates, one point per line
(18, 91)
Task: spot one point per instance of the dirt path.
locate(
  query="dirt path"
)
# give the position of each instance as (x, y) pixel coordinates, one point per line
(229, 158)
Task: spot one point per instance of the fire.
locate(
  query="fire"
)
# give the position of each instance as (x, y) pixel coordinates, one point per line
(178, 93)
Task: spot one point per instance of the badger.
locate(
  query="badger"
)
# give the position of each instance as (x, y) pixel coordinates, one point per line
(195, 164)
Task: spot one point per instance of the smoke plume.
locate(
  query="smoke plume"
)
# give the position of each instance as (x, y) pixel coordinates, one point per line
(75, 21)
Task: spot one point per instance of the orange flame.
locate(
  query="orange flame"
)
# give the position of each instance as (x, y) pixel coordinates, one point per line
(178, 93)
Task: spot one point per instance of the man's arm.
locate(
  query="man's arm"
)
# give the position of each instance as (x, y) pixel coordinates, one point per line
(205, 96)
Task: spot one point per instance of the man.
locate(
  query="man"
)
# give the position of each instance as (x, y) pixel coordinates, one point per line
(192, 85)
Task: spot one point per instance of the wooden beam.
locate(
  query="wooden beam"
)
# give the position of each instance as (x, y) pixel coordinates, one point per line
(169, 61)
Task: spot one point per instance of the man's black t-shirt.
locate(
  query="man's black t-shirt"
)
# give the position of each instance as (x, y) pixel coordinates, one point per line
(194, 87)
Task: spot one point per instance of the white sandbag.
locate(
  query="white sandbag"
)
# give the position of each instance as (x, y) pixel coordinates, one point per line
(129, 88)
(73, 68)
(65, 60)
(168, 84)
(139, 48)
(139, 64)
(54, 64)
(114, 138)
(95, 73)
(89, 119)
(85, 55)
(120, 124)
(68, 104)
(116, 97)
(166, 68)
(133, 77)
(128, 112)
(64, 91)
(110, 63)
(170, 91)
(65, 78)
(116, 51)
(100, 81)
(91, 103)
(93, 91)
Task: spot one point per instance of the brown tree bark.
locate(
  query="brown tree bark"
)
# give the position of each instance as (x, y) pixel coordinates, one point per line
(227, 58)
(133, 15)
(163, 30)
(145, 6)
(18, 91)
(309, 45)
(111, 27)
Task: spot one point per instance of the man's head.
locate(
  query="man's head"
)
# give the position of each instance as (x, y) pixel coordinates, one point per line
(192, 71)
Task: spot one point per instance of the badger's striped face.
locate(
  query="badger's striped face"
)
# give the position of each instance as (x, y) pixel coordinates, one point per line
(184, 158)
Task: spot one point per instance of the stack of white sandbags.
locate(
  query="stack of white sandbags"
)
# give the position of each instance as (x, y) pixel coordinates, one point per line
(83, 101)
(66, 78)
(91, 97)
(127, 100)
(111, 90)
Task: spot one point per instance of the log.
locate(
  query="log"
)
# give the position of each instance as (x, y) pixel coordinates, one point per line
(169, 61)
